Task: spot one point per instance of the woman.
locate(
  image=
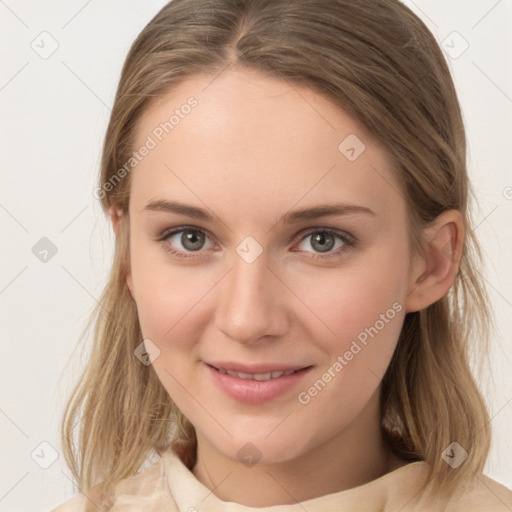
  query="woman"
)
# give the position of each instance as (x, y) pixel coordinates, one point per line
(294, 285)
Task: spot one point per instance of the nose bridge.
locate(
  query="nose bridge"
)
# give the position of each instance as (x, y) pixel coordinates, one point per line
(248, 307)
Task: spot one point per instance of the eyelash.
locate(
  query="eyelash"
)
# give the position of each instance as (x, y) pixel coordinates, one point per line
(348, 240)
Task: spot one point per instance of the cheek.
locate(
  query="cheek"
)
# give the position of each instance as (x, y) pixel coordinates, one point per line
(343, 301)
(167, 295)
(364, 312)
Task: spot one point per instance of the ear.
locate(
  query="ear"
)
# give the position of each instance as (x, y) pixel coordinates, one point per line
(433, 275)
(116, 215)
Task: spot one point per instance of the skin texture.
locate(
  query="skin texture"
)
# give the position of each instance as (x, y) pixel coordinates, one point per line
(253, 149)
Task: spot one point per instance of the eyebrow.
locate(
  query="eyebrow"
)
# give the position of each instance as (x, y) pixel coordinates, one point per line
(321, 210)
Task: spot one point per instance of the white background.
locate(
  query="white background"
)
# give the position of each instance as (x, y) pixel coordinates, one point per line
(53, 115)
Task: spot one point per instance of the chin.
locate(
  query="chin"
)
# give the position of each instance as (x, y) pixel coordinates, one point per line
(257, 449)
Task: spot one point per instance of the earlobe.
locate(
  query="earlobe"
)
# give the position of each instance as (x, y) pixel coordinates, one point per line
(433, 275)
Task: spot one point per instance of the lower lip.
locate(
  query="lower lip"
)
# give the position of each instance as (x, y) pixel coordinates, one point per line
(251, 391)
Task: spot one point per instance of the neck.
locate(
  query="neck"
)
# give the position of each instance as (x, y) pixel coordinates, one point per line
(353, 457)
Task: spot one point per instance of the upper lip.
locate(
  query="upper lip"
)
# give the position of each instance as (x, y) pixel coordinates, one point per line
(255, 368)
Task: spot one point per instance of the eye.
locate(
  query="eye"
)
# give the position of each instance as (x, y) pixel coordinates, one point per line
(192, 240)
(324, 240)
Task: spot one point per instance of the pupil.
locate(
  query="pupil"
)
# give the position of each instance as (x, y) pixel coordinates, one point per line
(324, 247)
(191, 237)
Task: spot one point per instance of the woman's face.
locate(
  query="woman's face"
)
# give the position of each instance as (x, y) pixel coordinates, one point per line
(257, 281)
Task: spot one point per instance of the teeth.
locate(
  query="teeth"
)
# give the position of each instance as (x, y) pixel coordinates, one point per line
(263, 376)
(256, 376)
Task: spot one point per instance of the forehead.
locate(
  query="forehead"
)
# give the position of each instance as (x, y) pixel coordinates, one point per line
(252, 140)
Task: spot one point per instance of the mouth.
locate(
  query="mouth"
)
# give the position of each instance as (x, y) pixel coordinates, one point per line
(269, 375)
(256, 384)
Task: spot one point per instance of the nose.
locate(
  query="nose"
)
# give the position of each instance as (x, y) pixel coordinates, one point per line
(252, 302)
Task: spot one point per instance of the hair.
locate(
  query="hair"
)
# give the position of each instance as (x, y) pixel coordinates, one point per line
(379, 62)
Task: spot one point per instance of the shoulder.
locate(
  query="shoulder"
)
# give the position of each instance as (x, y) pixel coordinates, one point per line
(89, 502)
(76, 504)
(482, 493)
(149, 487)
(478, 494)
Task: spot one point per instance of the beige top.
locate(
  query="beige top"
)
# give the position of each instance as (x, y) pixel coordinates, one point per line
(170, 486)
